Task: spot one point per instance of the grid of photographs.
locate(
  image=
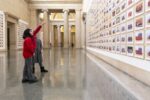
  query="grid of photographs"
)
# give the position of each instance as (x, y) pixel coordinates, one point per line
(2, 30)
(120, 26)
(22, 25)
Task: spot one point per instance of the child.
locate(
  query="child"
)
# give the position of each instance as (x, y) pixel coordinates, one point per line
(29, 46)
(38, 56)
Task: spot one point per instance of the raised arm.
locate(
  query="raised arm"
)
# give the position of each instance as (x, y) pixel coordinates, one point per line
(38, 29)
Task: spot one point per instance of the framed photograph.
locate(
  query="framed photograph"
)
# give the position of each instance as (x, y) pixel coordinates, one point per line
(123, 39)
(113, 22)
(118, 39)
(137, 1)
(139, 8)
(139, 23)
(130, 38)
(147, 5)
(139, 51)
(123, 17)
(139, 37)
(118, 49)
(147, 19)
(130, 50)
(118, 20)
(130, 26)
(117, 10)
(123, 49)
(130, 13)
(130, 2)
(114, 39)
(114, 13)
(147, 36)
(123, 28)
(123, 6)
(113, 31)
(114, 48)
(147, 52)
(117, 29)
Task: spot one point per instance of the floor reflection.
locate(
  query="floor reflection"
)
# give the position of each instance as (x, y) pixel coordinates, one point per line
(65, 80)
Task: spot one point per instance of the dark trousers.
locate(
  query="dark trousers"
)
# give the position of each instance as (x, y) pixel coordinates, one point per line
(28, 68)
(39, 62)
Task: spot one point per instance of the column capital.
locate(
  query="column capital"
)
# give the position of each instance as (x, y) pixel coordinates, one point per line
(79, 9)
(66, 10)
(58, 26)
(44, 10)
(70, 25)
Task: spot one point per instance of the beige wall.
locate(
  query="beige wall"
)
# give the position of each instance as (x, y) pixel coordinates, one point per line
(18, 8)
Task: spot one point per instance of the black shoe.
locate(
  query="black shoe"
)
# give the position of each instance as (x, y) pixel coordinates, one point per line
(43, 70)
(25, 81)
(33, 81)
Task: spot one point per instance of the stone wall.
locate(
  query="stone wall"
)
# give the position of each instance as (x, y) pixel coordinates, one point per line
(19, 8)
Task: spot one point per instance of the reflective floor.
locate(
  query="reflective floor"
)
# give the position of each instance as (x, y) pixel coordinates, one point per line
(65, 80)
(73, 75)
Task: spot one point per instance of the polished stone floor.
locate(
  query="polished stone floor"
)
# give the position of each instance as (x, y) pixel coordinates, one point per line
(73, 75)
(65, 80)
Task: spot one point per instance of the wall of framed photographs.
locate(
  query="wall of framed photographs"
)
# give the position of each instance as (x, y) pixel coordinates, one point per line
(22, 25)
(120, 26)
(2, 30)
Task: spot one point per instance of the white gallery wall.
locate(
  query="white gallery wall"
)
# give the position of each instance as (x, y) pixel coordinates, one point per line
(118, 31)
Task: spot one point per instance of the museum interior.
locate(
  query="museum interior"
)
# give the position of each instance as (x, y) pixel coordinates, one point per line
(92, 49)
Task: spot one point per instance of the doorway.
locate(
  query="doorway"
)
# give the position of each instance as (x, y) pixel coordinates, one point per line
(72, 36)
(11, 36)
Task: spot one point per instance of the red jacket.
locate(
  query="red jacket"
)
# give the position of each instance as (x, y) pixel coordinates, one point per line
(29, 44)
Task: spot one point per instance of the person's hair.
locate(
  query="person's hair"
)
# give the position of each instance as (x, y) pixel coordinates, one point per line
(27, 33)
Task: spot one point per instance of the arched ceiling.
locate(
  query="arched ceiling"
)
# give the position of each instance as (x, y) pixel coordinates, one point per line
(55, 1)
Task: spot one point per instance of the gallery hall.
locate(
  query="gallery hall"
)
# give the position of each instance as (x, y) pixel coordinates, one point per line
(75, 49)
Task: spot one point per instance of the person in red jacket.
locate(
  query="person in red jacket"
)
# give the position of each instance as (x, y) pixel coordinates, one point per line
(29, 46)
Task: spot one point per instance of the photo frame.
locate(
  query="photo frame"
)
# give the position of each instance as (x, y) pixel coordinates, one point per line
(147, 52)
(130, 2)
(123, 39)
(139, 8)
(130, 13)
(123, 6)
(123, 28)
(118, 39)
(117, 10)
(118, 20)
(123, 17)
(147, 5)
(123, 49)
(147, 19)
(147, 36)
(118, 49)
(130, 50)
(139, 23)
(139, 51)
(139, 37)
(130, 39)
(130, 26)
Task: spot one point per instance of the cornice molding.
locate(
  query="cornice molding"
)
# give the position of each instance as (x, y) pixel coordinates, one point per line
(54, 1)
(55, 6)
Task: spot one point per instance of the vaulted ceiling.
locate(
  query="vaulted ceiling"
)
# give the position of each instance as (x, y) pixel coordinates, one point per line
(55, 1)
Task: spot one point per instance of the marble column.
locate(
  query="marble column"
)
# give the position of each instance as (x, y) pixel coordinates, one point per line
(51, 33)
(78, 28)
(33, 18)
(66, 28)
(59, 35)
(46, 29)
(83, 39)
(70, 26)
